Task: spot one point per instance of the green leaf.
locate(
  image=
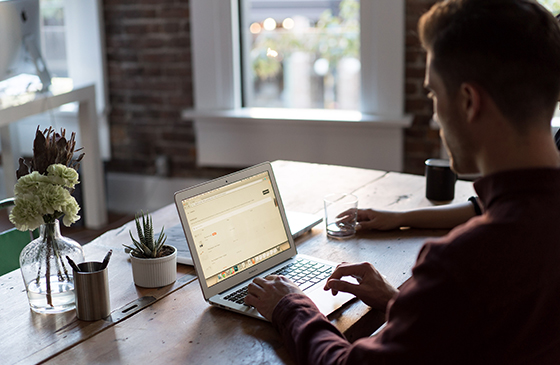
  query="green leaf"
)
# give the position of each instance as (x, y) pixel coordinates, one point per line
(146, 245)
(139, 229)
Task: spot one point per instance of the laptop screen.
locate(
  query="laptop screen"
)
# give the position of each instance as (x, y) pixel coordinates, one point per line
(235, 227)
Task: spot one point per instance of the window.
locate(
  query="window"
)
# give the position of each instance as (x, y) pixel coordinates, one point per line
(53, 43)
(231, 133)
(554, 7)
(215, 32)
(303, 54)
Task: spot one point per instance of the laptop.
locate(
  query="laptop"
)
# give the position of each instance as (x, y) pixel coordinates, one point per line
(300, 223)
(236, 229)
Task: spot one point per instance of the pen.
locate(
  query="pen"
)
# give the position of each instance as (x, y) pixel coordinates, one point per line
(106, 259)
(73, 264)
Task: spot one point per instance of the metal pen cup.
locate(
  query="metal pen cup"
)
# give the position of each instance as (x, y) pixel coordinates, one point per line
(91, 289)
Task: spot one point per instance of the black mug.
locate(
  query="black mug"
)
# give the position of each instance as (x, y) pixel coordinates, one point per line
(440, 180)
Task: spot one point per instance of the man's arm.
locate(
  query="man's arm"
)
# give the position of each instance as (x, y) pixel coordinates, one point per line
(309, 336)
(428, 321)
(442, 216)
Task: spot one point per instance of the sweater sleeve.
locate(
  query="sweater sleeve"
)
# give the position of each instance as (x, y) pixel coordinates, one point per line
(312, 339)
(308, 335)
(421, 318)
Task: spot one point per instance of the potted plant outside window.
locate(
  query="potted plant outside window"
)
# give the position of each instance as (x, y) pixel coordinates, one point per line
(154, 264)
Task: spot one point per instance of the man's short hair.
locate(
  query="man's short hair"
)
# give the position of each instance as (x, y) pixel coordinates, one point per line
(510, 48)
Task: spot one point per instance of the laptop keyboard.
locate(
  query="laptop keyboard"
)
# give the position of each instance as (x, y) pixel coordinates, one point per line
(303, 272)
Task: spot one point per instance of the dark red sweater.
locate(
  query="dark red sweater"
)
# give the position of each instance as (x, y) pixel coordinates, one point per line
(487, 293)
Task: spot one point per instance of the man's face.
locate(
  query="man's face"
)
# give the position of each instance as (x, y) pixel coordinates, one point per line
(453, 132)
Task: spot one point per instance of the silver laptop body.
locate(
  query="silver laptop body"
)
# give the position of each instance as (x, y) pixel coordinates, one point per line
(236, 229)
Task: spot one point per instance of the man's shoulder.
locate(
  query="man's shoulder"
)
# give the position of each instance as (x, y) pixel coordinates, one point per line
(484, 254)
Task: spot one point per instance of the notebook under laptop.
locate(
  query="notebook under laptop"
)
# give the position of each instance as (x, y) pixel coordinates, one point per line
(236, 229)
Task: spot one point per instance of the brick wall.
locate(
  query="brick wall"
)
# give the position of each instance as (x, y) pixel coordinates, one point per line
(150, 82)
(421, 142)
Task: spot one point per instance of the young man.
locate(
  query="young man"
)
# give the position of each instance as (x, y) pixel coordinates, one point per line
(443, 216)
(488, 291)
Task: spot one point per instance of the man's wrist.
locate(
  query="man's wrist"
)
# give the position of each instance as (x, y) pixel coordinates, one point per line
(390, 293)
(402, 219)
(285, 307)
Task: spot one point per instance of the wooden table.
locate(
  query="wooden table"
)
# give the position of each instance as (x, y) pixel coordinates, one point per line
(175, 325)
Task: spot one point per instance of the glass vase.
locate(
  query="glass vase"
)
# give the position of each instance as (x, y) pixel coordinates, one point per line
(46, 272)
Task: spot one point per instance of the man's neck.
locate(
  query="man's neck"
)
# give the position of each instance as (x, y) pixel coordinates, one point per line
(535, 149)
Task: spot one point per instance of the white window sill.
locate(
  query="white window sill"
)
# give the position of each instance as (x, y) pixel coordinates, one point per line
(300, 115)
(242, 137)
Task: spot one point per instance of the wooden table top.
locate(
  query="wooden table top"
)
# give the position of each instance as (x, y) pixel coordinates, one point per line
(175, 325)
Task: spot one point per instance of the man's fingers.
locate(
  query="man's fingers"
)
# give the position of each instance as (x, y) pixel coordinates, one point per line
(259, 281)
(250, 300)
(348, 212)
(254, 292)
(259, 285)
(340, 285)
(344, 269)
(368, 225)
(254, 289)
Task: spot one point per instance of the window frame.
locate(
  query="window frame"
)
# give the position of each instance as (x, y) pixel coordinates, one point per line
(216, 58)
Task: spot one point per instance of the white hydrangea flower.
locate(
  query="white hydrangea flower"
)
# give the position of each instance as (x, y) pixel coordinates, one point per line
(63, 175)
(40, 198)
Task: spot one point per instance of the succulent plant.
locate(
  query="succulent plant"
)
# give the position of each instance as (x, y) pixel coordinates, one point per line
(147, 246)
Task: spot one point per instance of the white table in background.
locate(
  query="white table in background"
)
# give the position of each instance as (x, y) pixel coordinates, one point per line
(92, 175)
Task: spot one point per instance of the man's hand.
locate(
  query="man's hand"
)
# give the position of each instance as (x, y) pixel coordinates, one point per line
(264, 294)
(369, 219)
(372, 288)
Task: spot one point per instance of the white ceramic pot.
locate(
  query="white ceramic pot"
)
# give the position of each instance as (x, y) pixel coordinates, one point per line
(155, 273)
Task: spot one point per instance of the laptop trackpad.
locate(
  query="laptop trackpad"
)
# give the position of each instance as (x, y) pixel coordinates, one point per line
(325, 301)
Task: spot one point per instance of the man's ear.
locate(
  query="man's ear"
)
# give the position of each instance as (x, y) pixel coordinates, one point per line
(470, 101)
